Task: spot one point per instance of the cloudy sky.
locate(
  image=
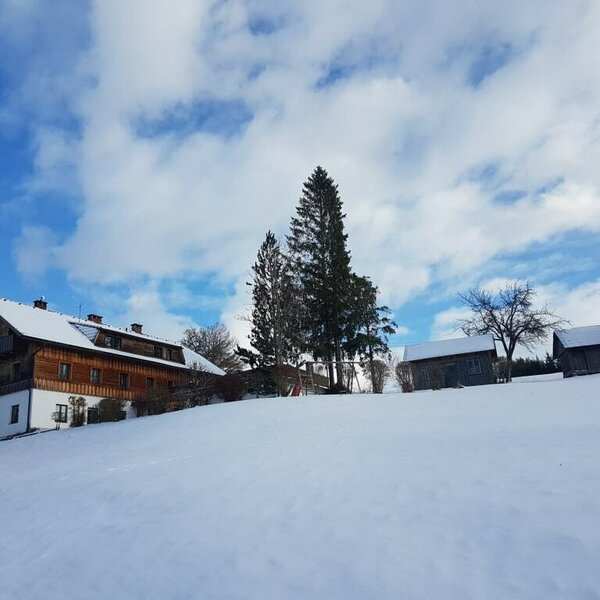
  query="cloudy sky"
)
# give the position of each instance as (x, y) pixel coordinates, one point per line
(146, 146)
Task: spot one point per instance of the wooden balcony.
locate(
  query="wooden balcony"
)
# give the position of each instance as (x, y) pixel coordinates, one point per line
(7, 343)
(15, 386)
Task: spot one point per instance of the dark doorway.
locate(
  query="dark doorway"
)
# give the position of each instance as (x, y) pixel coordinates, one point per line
(450, 375)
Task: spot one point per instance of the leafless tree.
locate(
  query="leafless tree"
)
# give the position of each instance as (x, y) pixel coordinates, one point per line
(404, 378)
(510, 315)
(215, 343)
(199, 389)
(377, 372)
(77, 404)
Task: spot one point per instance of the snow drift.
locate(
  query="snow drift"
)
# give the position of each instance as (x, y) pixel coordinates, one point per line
(489, 492)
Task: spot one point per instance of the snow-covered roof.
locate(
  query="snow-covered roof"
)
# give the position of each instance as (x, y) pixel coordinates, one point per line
(464, 345)
(71, 331)
(579, 336)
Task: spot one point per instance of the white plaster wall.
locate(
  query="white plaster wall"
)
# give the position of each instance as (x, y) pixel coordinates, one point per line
(43, 404)
(6, 404)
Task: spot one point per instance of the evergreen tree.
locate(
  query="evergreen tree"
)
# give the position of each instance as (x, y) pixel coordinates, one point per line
(275, 306)
(317, 244)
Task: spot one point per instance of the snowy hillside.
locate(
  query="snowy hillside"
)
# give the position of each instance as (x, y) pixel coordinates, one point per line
(490, 492)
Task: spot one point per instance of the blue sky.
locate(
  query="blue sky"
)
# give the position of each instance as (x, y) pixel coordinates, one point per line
(146, 148)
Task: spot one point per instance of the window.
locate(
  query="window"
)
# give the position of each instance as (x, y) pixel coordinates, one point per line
(169, 384)
(61, 413)
(150, 382)
(124, 380)
(473, 366)
(424, 373)
(64, 371)
(112, 341)
(14, 414)
(16, 371)
(158, 352)
(95, 376)
(93, 415)
(169, 354)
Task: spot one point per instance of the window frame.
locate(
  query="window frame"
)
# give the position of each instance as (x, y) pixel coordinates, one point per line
(15, 371)
(68, 371)
(124, 377)
(158, 352)
(113, 341)
(473, 366)
(14, 410)
(93, 379)
(63, 416)
(150, 383)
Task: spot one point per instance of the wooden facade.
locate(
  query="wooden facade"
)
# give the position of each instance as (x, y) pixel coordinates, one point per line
(454, 371)
(576, 360)
(122, 373)
(107, 380)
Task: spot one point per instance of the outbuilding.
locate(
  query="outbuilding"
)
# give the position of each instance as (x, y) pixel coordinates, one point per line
(452, 363)
(578, 350)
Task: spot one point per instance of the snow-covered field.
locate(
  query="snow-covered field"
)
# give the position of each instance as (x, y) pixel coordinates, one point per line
(481, 493)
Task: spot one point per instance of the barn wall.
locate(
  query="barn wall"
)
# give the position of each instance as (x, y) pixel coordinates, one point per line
(580, 361)
(441, 367)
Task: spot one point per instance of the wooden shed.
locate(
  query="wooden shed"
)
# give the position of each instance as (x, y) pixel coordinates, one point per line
(452, 363)
(578, 350)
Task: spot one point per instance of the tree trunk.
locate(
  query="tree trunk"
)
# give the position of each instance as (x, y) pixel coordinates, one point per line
(371, 364)
(338, 363)
(330, 369)
(508, 367)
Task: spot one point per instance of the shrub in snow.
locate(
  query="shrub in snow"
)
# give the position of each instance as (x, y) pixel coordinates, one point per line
(77, 404)
(403, 374)
(231, 387)
(377, 373)
(110, 409)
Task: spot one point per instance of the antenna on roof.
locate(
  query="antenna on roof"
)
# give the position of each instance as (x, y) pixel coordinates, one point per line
(80, 310)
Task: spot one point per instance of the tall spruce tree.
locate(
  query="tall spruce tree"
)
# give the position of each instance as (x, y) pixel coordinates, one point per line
(275, 306)
(317, 245)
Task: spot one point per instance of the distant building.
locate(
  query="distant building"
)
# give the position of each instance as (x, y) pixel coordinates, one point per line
(578, 350)
(452, 363)
(46, 357)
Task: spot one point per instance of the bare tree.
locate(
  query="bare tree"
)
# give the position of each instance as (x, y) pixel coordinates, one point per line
(377, 372)
(509, 314)
(215, 343)
(404, 378)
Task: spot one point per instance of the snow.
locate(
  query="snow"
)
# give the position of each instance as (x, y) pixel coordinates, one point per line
(464, 345)
(579, 336)
(480, 493)
(80, 333)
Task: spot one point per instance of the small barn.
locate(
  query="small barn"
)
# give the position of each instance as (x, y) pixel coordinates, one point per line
(578, 350)
(452, 363)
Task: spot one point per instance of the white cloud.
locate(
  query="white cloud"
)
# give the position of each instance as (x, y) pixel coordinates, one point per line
(402, 131)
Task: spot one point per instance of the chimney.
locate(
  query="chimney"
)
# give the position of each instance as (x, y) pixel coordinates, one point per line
(95, 318)
(41, 303)
(136, 327)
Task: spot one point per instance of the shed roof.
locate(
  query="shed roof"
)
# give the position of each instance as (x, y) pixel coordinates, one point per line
(577, 337)
(58, 328)
(439, 348)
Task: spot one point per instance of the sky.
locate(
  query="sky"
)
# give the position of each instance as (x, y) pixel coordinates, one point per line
(147, 146)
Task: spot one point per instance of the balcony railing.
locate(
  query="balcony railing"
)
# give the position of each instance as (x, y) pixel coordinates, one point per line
(15, 386)
(7, 343)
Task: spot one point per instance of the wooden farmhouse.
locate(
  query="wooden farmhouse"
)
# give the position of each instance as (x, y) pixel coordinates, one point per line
(452, 363)
(47, 357)
(578, 350)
